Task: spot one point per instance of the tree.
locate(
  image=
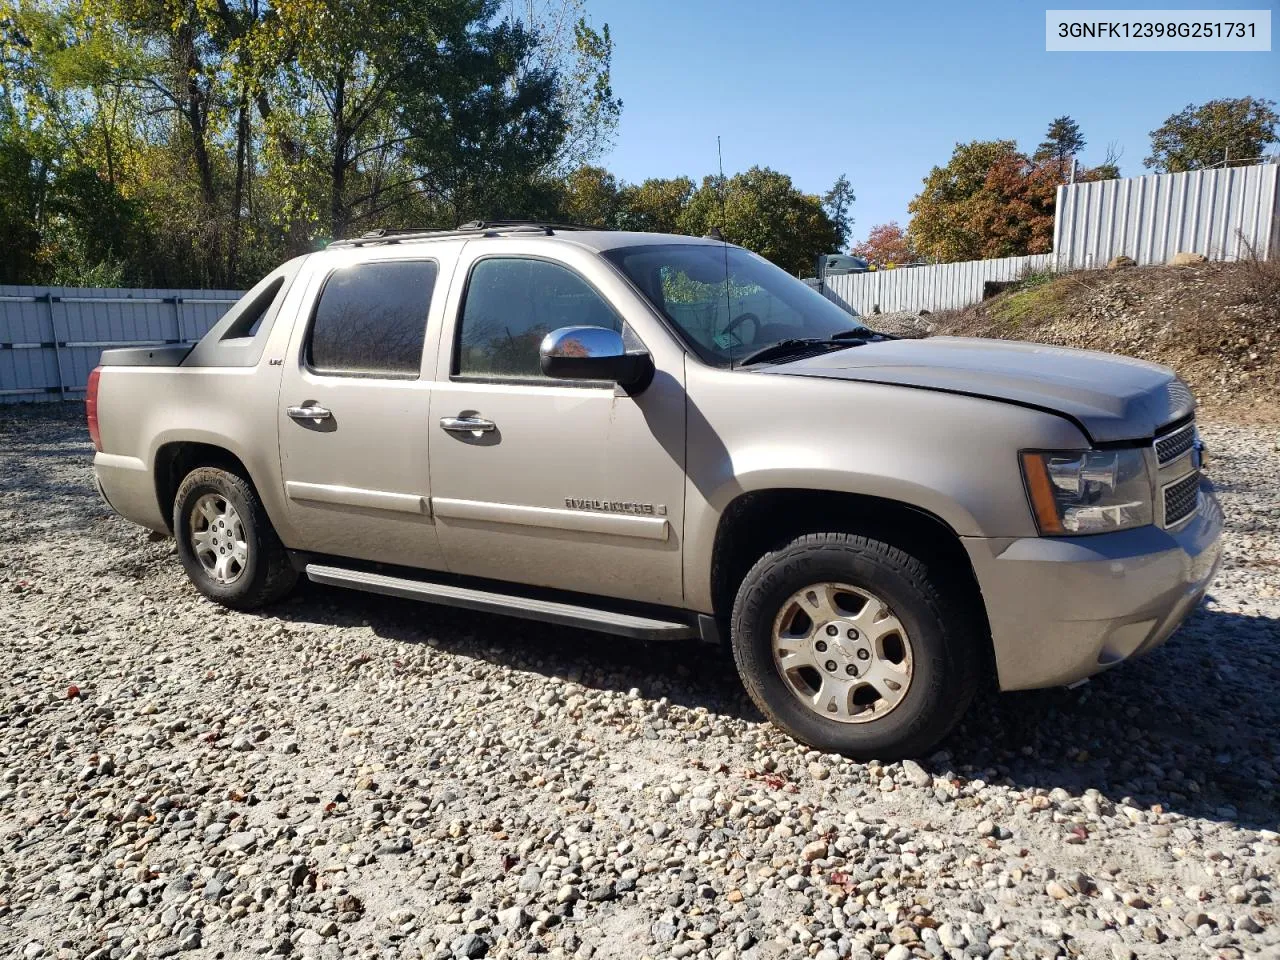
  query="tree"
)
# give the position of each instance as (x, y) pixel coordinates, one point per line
(764, 212)
(837, 202)
(655, 205)
(1220, 130)
(1012, 215)
(886, 245)
(990, 200)
(941, 227)
(592, 197)
(1062, 141)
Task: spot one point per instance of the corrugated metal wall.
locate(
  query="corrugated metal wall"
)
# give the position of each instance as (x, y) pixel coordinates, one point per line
(1225, 214)
(51, 337)
(946, 286)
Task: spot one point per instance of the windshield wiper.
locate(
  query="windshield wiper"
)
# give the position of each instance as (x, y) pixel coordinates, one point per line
(797, 345)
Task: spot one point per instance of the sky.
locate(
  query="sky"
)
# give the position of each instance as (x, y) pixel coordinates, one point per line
(882, 92)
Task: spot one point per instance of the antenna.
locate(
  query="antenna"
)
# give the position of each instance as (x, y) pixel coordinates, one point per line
(728, 306)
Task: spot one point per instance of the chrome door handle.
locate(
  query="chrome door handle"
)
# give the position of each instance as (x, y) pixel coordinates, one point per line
(468, 424)
(312, 412)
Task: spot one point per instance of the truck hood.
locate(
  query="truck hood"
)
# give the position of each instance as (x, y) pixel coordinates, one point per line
(1110, 397)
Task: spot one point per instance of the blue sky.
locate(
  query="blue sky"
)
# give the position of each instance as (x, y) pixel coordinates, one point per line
(883, 91)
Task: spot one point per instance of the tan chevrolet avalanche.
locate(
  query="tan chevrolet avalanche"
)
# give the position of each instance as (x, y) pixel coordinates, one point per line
(668, 438)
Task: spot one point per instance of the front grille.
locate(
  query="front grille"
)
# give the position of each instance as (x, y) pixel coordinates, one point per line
(1180, 499)
(1173, 445)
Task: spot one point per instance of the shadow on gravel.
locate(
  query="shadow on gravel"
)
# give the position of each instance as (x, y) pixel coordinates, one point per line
(1192, 727)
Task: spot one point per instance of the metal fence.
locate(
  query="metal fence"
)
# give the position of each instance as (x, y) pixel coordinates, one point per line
(51, 337)
(946, 286)
(1231, 213)
(1226, 214)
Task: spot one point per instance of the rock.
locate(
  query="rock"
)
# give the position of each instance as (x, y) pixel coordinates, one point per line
(816, 850)
(1056, 890)
(917, 776)
(898, 952)
(819, 771)
(951, 937)
(1246, 924)
(513, 918)
(469, 946)
(243, 842)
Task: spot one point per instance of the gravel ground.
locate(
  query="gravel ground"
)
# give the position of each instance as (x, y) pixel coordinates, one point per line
(354, 776)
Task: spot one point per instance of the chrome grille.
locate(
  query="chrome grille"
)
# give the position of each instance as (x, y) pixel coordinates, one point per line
(1180, 499)
(1173, 445)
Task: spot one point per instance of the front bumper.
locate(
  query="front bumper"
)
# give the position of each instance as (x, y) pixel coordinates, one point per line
(1064, 608)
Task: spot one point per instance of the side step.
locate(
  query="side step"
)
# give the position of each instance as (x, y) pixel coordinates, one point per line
(548, 611)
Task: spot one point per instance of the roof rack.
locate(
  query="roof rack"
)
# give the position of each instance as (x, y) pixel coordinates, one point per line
(487, 228)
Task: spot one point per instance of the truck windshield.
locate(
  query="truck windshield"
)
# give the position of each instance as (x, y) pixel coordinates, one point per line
(729, 303)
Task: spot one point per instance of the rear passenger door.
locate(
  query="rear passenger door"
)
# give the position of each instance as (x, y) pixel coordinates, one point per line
(353, 407)
(553, 483)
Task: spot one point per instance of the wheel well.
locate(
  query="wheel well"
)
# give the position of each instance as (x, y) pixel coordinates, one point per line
(758, 522)
(175, 460)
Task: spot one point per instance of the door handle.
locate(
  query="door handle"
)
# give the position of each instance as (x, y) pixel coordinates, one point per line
(310, 412)
(468, 424)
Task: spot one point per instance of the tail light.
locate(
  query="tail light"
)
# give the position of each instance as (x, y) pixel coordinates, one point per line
(91, 408)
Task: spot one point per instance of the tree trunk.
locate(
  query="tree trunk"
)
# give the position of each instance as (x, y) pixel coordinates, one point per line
(237, 200)
(338, 166)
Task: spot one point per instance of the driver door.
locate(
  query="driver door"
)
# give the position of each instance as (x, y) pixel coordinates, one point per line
(573, 485)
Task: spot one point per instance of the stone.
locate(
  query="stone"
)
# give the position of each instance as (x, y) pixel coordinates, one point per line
(917, 776)
(469, 946)
(816, 850)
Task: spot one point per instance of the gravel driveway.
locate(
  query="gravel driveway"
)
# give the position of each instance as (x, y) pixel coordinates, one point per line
(357, 776)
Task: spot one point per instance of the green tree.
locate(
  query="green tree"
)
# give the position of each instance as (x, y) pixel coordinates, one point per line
(764, 212)
(838, 202)
(592, 197)
(1204, 136)
(656, 205)
(1062, 141)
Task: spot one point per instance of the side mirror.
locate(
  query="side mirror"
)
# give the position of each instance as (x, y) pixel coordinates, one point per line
(594, 353)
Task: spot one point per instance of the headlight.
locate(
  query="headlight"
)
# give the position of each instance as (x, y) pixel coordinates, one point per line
(1076, 492)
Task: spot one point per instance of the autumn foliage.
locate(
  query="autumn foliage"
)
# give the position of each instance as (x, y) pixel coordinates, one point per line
(886, 245)
(990, 200)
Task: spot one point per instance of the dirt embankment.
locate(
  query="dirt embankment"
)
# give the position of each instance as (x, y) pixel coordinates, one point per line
(1215, 323)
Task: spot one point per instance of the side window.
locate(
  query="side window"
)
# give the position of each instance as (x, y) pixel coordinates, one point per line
(371, 320)
(511, 305)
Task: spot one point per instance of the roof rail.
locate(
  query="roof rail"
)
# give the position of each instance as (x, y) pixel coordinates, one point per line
(491, 228)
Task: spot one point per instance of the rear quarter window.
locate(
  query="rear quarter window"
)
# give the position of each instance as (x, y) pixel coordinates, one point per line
(371, 319)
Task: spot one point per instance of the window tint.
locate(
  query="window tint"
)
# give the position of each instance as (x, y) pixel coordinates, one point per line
(512, 304)
(372, 318)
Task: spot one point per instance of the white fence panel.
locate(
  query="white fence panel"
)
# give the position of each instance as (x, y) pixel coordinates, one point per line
(51, 337)
(945, 286)
(1226, 214)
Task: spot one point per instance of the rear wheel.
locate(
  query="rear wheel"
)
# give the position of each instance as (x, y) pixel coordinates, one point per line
(849, 645)
(226, 542)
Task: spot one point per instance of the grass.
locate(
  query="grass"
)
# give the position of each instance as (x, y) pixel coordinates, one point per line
(1028, 298)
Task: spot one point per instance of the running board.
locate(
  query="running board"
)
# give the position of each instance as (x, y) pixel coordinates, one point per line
(548, 611)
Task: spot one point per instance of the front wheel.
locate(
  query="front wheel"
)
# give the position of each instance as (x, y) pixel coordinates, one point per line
(226, 543)
(849, 645)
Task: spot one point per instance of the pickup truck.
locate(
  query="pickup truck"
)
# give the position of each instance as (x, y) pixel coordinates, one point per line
(668, 438)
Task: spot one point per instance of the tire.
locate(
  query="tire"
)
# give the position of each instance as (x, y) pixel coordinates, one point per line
(922, 637)
(255, 569)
